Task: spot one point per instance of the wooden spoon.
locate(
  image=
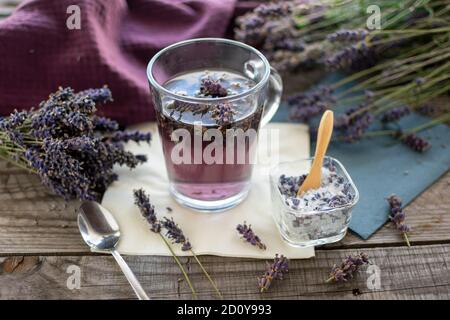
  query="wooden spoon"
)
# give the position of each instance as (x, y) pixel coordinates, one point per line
(324, 133)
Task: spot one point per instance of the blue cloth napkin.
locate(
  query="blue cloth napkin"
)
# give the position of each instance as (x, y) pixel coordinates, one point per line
(380, 167)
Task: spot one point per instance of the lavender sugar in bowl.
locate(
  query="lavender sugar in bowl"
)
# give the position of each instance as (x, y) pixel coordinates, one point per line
(318, 216)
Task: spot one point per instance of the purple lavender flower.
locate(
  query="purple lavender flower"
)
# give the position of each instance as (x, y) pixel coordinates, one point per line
(68, 146)
(212, 88)
(427, 109)
(249, 236)
(122, 157)
(397, 216)
(289, 185)
(142, 200)
(273, 28)
(416, 143)
(347, 35)
(223, 113)
(349, 266)
(275, 271)
(274, 9)
(175, 233)
(104, 124)
(126, 136)
(100, 95)
(395, 114)
(304, 106)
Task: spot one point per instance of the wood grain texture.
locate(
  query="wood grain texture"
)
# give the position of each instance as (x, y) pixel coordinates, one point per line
(421, 272)
(32, 221)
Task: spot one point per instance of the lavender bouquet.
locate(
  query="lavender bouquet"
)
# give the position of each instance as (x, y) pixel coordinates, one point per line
(72, 149)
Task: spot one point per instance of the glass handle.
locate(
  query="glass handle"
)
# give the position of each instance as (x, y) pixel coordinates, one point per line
(275, 90)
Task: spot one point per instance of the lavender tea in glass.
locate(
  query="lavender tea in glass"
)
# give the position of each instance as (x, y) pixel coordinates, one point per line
(211, 96)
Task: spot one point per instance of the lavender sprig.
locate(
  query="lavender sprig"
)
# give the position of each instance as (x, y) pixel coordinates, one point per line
(349, 266)
(249, 236)
(142, 201)
(275, 271)
(397, 216)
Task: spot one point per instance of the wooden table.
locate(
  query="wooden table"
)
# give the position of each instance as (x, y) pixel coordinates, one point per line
(39, 241)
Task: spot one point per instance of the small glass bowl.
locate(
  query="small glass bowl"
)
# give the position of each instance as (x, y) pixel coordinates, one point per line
(310, 228)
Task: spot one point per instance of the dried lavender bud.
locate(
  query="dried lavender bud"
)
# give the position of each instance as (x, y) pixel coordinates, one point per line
(104, 124)
(395, 114)
(223, 113)
(16, 119)
(249, 236)
(353, 124)
(175, 233)
(289, 185)
(334, 191)
(349, 266)
(16, 138)
(304, 106)
(275, 271)
(397, 216)
(427, 109)
(142, 200)
(101, 95)
(272, 28)
(347, 35)
(416, 143)
(274, 9)
(212, 88)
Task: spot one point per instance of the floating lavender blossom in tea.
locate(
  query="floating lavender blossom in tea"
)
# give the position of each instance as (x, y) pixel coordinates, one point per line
(318, 216)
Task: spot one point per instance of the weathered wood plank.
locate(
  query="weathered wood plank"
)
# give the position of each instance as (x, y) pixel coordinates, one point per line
(421, 272)
(32, 221)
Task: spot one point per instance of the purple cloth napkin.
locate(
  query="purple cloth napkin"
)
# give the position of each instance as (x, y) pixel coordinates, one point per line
(116, 40)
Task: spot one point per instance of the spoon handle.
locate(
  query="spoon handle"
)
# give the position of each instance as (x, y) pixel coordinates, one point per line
(134, 282)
